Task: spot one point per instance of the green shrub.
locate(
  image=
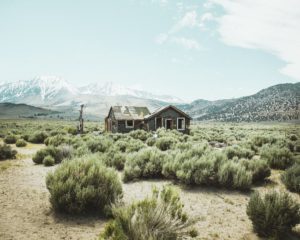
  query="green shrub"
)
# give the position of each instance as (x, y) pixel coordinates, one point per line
(10, 139)
(134, 145)
(297, 147)
(278, 158)
(259, 168)
(21, 143)
(159, 217)
(293, 137)
(260, 140)
(48, 161)
(237, 151)
(56, 132)
(76, 141)
(202, 165)
(114, 158)
(191, 167)
(72, 130)
(291, 178)
(83, 185)
(57, 140)
(64, 151)
(146, 163)
(6, 152)
(151, 141)
(48, 151)
(274, 214)
(116, 136)
(139, 134)
(121, 145)
(183, 146)
(165, 143)
(25, 137)
(291, 145)
(197, 165)
(99, 144)
(196, 171)
(81, 151)
(38, 137)
(234, 175)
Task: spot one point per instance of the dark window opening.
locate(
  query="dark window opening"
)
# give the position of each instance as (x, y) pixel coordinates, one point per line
(158, 122)
(129, 123)
(181, 124)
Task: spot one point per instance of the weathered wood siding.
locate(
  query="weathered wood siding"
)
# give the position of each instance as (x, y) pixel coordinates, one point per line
(110, 120)
(122, 126)
(168, 114)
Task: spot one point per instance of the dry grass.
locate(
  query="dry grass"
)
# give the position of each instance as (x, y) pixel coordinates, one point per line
(4, 165)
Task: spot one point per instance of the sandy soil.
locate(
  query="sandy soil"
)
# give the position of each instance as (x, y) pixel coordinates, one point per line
(26, 213)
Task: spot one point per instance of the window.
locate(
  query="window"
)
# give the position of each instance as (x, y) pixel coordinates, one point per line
(129, 123)
(158, 122)
(180, 123)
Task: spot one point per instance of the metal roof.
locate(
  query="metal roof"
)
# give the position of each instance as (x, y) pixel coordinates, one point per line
(130, 112)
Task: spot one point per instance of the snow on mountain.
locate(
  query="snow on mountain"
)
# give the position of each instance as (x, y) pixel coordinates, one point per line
(54, 91)
(112, 89)
(42, 89)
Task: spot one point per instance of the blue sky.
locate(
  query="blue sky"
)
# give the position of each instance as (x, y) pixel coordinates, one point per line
(210, 49)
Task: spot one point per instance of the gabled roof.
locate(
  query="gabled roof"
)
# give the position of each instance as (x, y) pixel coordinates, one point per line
(129, 112)
(161, 109)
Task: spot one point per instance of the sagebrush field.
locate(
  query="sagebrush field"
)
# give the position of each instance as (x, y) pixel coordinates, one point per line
(223, 181)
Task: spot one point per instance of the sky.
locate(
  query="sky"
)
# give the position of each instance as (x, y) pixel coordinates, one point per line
(192, 49)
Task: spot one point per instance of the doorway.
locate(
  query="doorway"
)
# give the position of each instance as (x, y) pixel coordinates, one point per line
(169, 123)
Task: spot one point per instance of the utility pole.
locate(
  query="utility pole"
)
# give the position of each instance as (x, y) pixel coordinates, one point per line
(81, 119)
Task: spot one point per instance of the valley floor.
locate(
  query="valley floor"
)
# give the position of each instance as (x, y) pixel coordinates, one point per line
(25, 211)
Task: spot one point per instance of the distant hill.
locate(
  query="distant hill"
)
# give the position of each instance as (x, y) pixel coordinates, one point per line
(277, 103)
(11, 111)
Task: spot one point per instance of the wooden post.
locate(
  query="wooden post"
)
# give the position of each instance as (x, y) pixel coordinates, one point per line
(81, 119)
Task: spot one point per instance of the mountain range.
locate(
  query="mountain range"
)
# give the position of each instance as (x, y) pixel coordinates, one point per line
(279, 102)
(276, 103)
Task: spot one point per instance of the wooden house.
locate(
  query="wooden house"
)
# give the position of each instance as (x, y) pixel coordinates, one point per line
(168, 117)
(124, 119)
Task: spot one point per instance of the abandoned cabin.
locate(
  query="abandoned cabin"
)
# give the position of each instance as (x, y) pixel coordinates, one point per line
(123, 119)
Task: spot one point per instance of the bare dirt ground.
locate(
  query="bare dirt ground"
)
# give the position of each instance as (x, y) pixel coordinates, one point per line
(25, 211)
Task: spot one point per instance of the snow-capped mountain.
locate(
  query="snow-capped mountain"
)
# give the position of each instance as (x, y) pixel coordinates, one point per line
(111, 89)
(55, 92)
(42, 90)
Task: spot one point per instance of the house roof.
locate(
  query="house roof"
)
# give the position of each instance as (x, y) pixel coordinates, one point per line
(129, 112)
(161, 109)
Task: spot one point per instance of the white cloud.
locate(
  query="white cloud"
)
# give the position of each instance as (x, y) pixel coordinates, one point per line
(161, 38)
(208, 5)
(206, 17)
(188, 20)
(187, 43)
(270, 25)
